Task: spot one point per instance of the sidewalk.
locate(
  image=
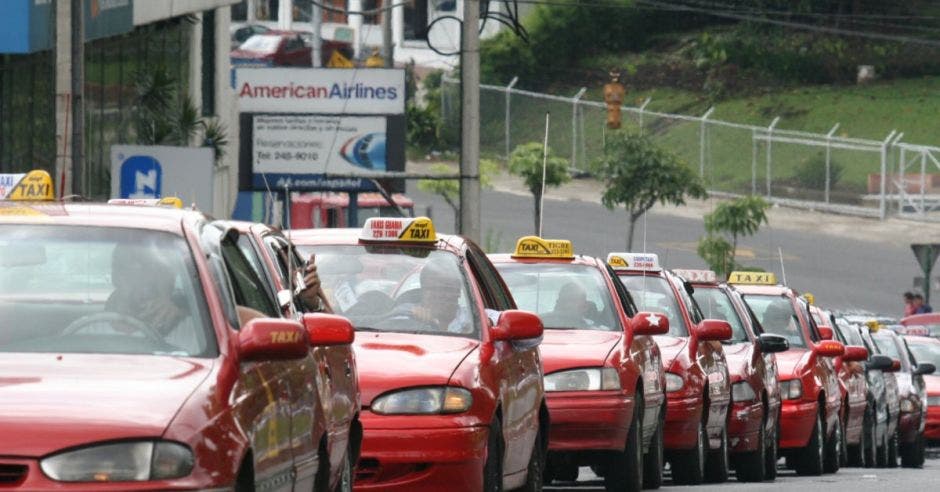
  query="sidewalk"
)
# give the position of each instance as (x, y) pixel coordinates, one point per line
(894, 231)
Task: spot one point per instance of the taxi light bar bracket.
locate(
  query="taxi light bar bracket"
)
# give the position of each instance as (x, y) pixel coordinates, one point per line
(536, 247)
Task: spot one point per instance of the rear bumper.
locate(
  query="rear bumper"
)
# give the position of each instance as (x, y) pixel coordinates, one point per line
(586, 421)
(797, 418)
(744, 426)
(683, 417)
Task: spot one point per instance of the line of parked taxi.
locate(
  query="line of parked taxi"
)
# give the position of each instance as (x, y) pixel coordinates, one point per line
(147, 347)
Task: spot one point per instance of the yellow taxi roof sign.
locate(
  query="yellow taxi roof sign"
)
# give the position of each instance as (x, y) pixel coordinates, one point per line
(810, 298)
(536, 247)
(34, 186)
(752, 278)
(647, 262)
(168, 201)
(702, 276)
(405, 229)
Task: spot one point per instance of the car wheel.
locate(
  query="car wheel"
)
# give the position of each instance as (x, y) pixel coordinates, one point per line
(909, 453)
(653, 459)
(493, 466)
(625, 471)
(893, 451)
(855, 453)
(751, 466)
(772, 455)
(716, 465)
(346, 478)
(881, 458)
(688, 467)
(920, 451)
(810, 460)
(833, 450)
(869, 439)
(536, 469)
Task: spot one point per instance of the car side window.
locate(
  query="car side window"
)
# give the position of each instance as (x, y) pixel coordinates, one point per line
(495, 295)
(249, 289)
(810, 321)
(695, 313)
(626, 300)
(294, 44)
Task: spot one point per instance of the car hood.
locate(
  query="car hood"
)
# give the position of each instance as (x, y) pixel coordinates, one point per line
(565, 349)
(388, 361)
(670, 348)
(738, 357)
(51, 402)
(933, 384)
(791, 363)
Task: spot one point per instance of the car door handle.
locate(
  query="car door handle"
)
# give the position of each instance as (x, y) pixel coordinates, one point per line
(348, 369)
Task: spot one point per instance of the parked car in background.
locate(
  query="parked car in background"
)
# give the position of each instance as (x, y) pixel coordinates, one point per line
(927, 350)
(886, 421)
(240, 34)
(284, 49)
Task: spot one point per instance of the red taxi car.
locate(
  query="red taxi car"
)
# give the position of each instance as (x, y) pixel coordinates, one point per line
(852, 381)
(603, 374)
(450, 374)
(927, 324)
(755, 396)
(136, 356)
(810, 420)
(698, 387)
(276, 260)
(927, 350)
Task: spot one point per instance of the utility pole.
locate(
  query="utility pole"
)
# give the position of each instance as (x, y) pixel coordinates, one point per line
(388, 48)
(470, 121)
(316, 25)
(69, 88)
(78, 97)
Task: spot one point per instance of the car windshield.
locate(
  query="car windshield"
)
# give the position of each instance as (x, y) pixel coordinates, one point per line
(564, 296)
(653, 293)
(715, 304)
(777, 316)
(849, 334)
(925, 352)
(397, 288)
(887, 346)
(261, 43)
(67, 289)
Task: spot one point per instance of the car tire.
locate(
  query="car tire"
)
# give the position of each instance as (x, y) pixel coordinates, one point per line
(653, 459)
(493, 466)
(881, 455)
(911, 453)
(688, 467)
(717, 462)
(772, 455)
(625, 470)
(833, 454)
(346, 478)
(893, 451)
(535, 471)
(750, 467)
(869, 438)
(810, 460)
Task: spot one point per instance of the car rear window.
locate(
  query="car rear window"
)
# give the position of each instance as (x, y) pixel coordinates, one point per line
(777, 316)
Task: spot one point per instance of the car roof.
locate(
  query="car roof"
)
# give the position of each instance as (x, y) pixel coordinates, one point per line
(921, 340)
(915, 319)
(577, 260)
(350, 237)
(771, 290)
(167, 219)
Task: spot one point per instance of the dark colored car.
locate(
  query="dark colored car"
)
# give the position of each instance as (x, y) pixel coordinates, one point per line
(887, 404)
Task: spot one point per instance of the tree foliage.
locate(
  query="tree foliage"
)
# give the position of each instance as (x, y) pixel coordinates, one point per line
(637, 175)
(449, 189)
(526, 161)
(736, 218)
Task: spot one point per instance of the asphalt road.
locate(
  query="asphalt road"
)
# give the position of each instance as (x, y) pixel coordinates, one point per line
(842, 273)
(854, 479)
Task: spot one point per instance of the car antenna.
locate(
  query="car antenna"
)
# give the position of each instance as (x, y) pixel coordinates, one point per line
(548, 116)
(783, 270)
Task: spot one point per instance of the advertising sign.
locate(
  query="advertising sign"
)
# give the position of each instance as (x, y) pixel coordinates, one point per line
(158, 171)
(320, 90)
(26, 26)
(310, 144)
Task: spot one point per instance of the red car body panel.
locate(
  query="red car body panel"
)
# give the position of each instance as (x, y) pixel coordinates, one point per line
(932, 428)
(852, 383)
(599, 420)
(818, 377)
(292, 51)
(219, 407)
(438, 452)
(698, 363)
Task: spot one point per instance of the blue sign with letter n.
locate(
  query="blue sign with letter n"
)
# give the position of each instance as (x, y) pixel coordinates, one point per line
(141, 177)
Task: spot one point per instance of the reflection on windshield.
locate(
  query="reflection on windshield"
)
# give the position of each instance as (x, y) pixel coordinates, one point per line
(925, 352)
(261, 43)
(655, 294)
(777, 316)
(715, 304)
(99, 290)
(564, 296)
(397, 289)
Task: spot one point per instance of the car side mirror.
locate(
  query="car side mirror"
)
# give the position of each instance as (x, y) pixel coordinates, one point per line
(829, 348)
(284, 298)
(855, 353)
(270, 339)
(880, 362)
(895, 366)
(713, 330)
(517, 325)
(924, 369)
(825, 332)
(328, 329)
(647, 323)
(771, 344)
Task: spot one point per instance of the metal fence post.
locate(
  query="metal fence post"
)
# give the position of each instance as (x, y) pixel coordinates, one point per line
(829, 159)
(643, 108)
(882, 204)
(701, 148)
(512, 83)
(574, 127)
(902, 164)
(770, 139)
(753, 161)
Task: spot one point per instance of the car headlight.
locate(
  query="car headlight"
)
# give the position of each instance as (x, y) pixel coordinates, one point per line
(121, 462)
(742, 391)
(791, 389)
(674, 382)
(907, 406)
(587, 379)
(442, 399)
(933, 401)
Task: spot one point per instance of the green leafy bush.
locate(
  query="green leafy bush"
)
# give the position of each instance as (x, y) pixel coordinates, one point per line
(811, 172)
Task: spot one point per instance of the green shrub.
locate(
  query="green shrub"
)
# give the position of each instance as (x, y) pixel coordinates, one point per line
(423, 127)
(811, 172)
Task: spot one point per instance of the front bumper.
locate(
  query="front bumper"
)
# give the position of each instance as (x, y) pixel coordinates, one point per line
(424, 454)
(34, 479)
(744, 426)
(797, 418)
(589, 420)
(932, 429)
(683, 417)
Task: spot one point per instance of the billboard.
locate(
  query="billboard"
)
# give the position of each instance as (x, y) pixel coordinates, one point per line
(157, 171)
(321, 90)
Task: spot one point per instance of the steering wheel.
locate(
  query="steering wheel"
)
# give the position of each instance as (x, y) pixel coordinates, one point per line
(111, 318)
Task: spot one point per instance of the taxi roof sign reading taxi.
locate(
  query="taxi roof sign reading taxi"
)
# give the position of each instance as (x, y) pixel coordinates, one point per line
(703, 276)
(536, 247)
(407, 229)
(168, 201)
(648, 262)
(752, 278)
(35, 185)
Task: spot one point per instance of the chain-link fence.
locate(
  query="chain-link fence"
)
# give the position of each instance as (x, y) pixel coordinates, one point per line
(828, 171)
